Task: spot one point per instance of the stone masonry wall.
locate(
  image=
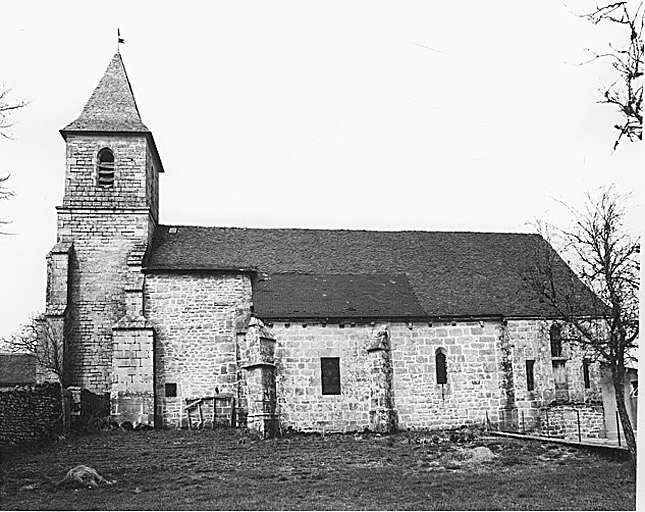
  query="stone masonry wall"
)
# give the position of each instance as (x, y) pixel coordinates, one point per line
(29, 414)
(475, 380)
(132, 393)
(102, 242)
(473, 374)
(152, 183)
(301, 403)
(194, 320)
(104, 224)
(563, 421)
(530, 340)
(134, 176)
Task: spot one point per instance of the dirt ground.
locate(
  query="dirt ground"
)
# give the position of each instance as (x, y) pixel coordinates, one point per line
(224, 469)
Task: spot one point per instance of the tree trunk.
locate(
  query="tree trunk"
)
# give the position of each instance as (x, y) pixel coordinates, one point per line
(618, 375)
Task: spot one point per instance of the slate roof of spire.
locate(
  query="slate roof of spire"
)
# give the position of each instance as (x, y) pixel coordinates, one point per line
(452, 274)
(112, 107)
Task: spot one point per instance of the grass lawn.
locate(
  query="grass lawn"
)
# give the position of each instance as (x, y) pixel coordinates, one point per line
(206, 470)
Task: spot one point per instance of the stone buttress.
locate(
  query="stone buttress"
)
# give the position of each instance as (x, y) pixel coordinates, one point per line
(258, 378)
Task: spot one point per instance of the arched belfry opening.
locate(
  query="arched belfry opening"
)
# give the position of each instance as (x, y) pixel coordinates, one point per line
(106, 168)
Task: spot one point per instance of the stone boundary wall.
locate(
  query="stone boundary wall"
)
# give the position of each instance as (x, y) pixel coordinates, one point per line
(29, 415)
(560, 421)
(563, 421)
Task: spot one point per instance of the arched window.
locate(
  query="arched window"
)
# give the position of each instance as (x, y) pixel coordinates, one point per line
(440, 361)
(555, 334)
(106, 167)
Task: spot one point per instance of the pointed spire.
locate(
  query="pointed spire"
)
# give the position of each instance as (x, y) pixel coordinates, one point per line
(112, 107)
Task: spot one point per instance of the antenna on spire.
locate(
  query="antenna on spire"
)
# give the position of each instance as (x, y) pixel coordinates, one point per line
(119, 40)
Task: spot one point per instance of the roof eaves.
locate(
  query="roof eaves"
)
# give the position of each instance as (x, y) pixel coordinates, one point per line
(379, 318)
(198, 270)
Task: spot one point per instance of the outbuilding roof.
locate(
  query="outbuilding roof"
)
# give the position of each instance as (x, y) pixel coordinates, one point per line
(451, 274)
(17, 369)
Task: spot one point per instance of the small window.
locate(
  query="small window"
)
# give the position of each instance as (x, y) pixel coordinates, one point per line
(171, 390)
(330, 375)
(106, 168)
(585, 373)
(441, 369)
(530, 375)
(560, 374)
(634, 391)
(555, 334)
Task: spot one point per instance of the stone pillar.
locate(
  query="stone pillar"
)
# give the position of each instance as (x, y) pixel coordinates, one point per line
(258, 365)
(132, 396)
(382, 413)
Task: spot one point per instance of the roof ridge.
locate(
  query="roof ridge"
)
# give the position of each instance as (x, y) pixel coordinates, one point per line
(350, 230)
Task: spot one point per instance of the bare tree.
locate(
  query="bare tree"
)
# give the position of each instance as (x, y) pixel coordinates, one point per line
(7, 108)
(46, 339)
(5, 193)
(626, 92)
(607, 261)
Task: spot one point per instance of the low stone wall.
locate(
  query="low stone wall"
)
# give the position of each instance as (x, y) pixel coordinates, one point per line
(559, 421)
(29, 415)
(562, 421)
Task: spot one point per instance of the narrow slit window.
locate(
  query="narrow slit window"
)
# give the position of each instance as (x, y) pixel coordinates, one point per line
(441, 368)
(585, 373)
(530, 375)
(330, 375)
(555, 334)
(106, 168)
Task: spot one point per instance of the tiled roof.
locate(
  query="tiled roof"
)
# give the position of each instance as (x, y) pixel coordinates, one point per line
(17, 369)
(335, 296)
(112, 107)
(453, 274)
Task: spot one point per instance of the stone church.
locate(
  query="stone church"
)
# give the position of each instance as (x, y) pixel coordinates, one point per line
(311, 329)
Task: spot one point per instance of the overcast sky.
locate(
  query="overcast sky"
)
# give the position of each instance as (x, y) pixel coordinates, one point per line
(469, 115)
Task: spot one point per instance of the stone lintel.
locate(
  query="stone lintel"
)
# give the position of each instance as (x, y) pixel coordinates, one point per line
(132, 323)
(61, 248)
(250, 366)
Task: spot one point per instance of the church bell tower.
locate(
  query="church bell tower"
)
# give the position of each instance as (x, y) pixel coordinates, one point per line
(108, 217)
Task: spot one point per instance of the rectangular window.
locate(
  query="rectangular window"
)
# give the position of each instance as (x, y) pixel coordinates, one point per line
(171, 390)
(585, 373)
(560, 375)
(330, 375)
(530, 375)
